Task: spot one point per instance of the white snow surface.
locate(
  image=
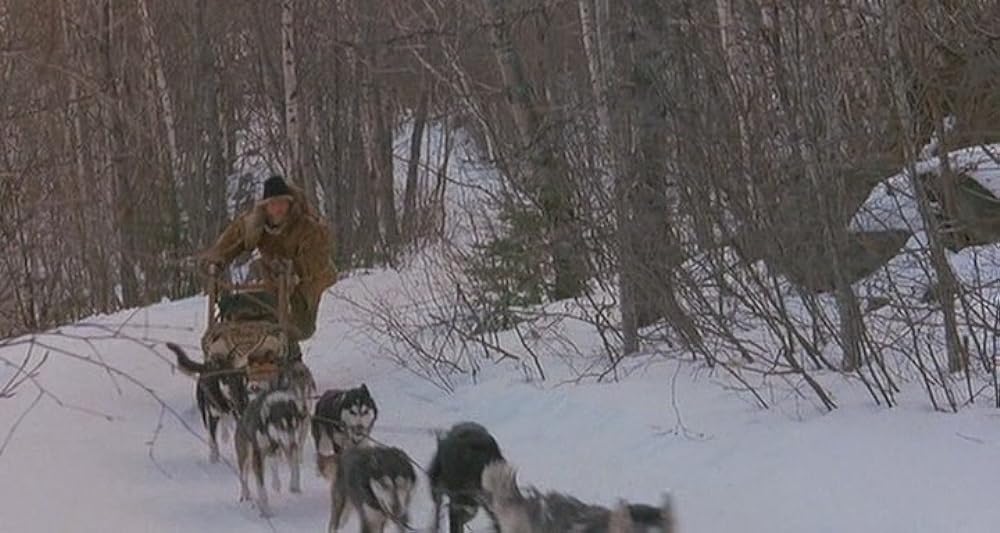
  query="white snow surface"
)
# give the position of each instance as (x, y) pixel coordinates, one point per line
(84, 448)
(99, 453)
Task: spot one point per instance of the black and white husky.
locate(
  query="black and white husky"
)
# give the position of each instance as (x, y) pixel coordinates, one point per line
(292, 376)
(553, 512)
(221, 393)
(269, 431)
(462, 454)
(342, 419)
(377, 482)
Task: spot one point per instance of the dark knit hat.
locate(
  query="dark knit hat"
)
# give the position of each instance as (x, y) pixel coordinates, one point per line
(275, 187)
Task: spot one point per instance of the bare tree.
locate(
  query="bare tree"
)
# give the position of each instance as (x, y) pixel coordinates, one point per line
(945, 277)
(685, 175)
(548, 182)
(596, 32)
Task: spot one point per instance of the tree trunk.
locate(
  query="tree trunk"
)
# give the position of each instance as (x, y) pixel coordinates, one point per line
(368, 180)
(178, 207)
(947, 284)
(153, 58)
(649, 244)
(848, 310)
(75, 143)
(115, 142)
(293, 129)
(413, 166)
(378, 139)
(550, 184)
(220, 166)
(735, 72)
(594, 25)
(204, 104)
(386, 187)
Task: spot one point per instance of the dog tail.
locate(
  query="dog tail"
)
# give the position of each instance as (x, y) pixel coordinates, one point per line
(621, 519)
(667, 516)
(499, 481)
(624, 518)
(326, 466)
(393, 497)
(185, 363)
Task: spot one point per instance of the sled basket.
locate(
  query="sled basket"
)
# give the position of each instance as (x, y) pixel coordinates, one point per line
(248, 325)
(243, 343)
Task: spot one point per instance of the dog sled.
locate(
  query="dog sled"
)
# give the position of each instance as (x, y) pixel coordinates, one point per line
(248, 323)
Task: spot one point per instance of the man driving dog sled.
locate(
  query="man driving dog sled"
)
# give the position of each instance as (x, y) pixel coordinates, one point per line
(282, 225)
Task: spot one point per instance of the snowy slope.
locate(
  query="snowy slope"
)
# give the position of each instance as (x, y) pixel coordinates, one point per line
(666, 425)
(124, 449)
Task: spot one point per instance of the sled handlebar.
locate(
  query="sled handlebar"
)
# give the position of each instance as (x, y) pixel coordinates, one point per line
(279, 282)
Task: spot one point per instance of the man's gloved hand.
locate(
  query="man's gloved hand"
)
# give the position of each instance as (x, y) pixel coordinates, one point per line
(211, 265)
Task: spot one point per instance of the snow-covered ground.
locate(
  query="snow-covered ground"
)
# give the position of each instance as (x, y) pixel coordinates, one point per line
(107, 438)
(98, 453)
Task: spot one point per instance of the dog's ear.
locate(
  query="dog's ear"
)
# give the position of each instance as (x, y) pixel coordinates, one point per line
(327, 466)
(620, 520)
(499, 482)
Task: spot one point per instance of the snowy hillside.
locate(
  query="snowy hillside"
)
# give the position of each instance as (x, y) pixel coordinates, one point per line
(100, 453)
(106, 437)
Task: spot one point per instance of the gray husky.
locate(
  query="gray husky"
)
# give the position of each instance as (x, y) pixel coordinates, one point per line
(552, 512)
(377, 482)
(270, 429)
(292, 376)
(456, 470)
(342, 419)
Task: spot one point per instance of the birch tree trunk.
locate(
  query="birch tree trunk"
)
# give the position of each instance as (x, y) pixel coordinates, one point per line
(293, 130)
(180, 221)
(153, 58)
(598, 64)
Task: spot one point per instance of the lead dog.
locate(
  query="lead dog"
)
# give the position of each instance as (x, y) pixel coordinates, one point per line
(377, 482)
(553, 512)
(270, 430)
(296, 379)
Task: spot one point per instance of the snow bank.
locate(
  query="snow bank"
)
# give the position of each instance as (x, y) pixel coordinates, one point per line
(892, 205)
